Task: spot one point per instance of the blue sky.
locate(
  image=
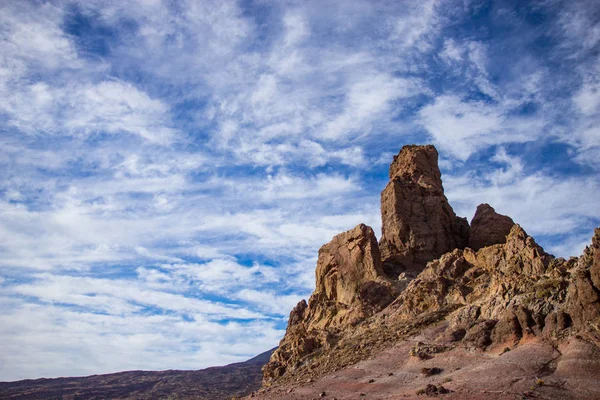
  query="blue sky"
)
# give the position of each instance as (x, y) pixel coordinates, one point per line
(170, 168)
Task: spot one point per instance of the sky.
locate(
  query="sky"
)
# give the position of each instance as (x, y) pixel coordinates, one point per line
(171, 168)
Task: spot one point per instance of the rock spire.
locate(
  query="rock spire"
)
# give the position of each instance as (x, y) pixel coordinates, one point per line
(418, 223)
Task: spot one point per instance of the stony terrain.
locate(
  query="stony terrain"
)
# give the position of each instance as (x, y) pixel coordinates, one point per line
(441, 308)
(211, 384)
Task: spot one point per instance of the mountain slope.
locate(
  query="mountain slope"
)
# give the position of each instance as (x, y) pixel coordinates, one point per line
(212, 383)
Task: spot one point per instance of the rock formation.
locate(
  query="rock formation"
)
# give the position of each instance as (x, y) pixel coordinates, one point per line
(488, 227)
(418, 224)
(350, 286)
(501, 292)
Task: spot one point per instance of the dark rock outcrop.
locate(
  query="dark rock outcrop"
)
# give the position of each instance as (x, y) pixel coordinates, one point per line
(418, 223)
(488, 227)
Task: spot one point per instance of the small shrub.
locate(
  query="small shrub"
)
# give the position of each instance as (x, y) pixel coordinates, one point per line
(539, 382)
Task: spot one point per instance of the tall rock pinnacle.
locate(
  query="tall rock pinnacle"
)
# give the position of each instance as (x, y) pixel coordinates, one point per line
(493, 284)
(418, 224)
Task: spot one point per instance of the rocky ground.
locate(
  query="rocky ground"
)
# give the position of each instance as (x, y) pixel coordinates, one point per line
(532, 370)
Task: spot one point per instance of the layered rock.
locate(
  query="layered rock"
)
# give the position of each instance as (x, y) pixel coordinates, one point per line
(488, 227)
(418, 223)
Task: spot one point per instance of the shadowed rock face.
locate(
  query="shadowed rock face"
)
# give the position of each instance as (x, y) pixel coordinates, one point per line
(418, 224)
(488, 227)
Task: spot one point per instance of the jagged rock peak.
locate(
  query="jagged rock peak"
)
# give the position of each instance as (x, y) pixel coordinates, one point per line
(488, 227)
(418, 164)
(418, 223)
(350, 286)
(594, 252)
(348, 261)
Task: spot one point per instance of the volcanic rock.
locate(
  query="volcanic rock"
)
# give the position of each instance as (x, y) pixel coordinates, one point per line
(346, 263)
(488, 227)
(350, 286)
(499, 302)
(418, 224)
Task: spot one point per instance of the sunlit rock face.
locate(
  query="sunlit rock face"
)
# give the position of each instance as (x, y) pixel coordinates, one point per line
(350, 286)
(418, 223)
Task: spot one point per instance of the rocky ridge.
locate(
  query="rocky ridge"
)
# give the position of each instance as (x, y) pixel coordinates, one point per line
(484, 289)
(213, 383)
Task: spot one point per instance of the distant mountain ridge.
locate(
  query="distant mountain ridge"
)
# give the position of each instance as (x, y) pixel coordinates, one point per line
(212, 383)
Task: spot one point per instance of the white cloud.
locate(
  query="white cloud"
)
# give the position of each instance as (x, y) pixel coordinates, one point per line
(111, 107)
(33, 40)
(587, 99)
(461, 128)
(119, 296)
(452, 52)
(296, 29)
(366, 101)
(69, 342)
(412, 29)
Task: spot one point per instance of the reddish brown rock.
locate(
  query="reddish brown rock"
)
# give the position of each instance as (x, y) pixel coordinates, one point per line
(346, 263)
(583, 299)
(418, 224)
(350, 286)
(502, 292)
(593, 252)
(488, 227)
(503, 295)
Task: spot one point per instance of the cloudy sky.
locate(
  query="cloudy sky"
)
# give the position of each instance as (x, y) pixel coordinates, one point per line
(170, 168)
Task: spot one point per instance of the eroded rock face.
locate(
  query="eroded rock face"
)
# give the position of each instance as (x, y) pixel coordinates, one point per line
(504, 293)
(418, 224)
(593, 252)
(346, 263)
(583, 299)
(350, 286)
(488, 227)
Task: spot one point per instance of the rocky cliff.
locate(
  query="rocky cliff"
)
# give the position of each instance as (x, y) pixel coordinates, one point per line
(488, 288)
(418, 223)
